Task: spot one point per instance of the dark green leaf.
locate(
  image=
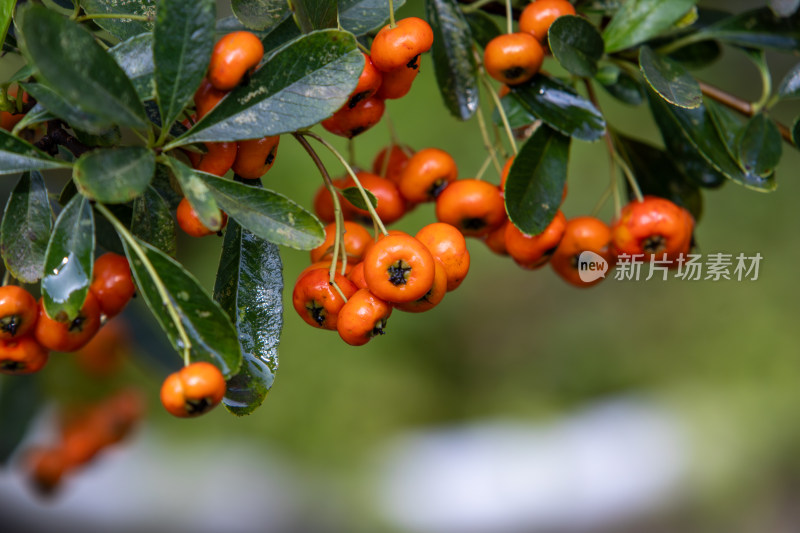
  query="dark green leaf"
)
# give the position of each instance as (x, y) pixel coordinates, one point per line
(249, 288)
(784, 8)
(121, 28)
(260, 14)
(18, 156)
(657, 174)
(453, 58)
(211, 335)
(640, 20)
(6, 10)
(20, 400)
(69, 260)
(517, 115)
(621, 85)
(303, 83)
(669, 79)
(760, 145)
(25, 230)
(280, 34)
(576, 44)
(82, 73)
(796, 132)
(70, 114)
(266, 214)
(183, 38)
(790, 86)
(536, 180)
(727, 124)
(153, 222)
(135, 57)
(353, 195)
(114, 175)
(691, 137)
(105, 234)
(198, 195)
(363, 16)
(482, 27)
(561, 108)
(167, 186)
(37, 115)
(315, 14)
(109, 137)
(697, 55)
(759, 28)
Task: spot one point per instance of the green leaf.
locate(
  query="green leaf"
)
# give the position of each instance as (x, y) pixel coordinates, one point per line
(183, 38)
(106, 138)
(727, 124)
(17, 155)
(621, 85)
(759, 28)
(691, 137)
(760, 145)
(153, 223)
(482, 27)
(279, 35)
(25, 230)
(82, 73)
(266, 214)
(6, 10)
(37, 115)
(313, 15)
(561, 108)
(640, 20)
(453, 58)
(790, 86)
(363, 16)
(517, 115)
(260, 14)
(669, 79)
(198, 195)
(114, 175)
(353, 195)
(796, 132)
(656, 173)
(70, 114)
(20, 400)
(536, 180)
(576, 44)
(301, 84)
(249, 287)
(135, 57)
(697, 55)
(69, 260)
(211, 334)
(121, 28)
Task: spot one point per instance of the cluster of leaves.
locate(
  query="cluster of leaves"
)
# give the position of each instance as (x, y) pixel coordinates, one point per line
(129, 70)
(640, 52)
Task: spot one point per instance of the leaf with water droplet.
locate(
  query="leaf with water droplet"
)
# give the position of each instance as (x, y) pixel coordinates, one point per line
(69, 260)
(211, 334)
(249, 287)
(267, 214)
(25, 230)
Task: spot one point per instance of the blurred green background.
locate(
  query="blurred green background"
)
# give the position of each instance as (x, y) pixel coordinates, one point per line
(510, 344)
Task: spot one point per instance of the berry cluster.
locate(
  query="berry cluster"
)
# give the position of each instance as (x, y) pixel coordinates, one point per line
(84, 433)
(234, 57)
(28, 334)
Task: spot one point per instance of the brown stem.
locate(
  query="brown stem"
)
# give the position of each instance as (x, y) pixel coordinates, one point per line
(742, 106)
(57, 135)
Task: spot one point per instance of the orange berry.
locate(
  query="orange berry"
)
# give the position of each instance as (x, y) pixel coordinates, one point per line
(233, 56)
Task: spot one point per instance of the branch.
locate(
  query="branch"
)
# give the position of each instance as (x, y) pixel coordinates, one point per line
(57, 135)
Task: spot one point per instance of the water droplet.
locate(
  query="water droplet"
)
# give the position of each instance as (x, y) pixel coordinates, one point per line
(66, 278)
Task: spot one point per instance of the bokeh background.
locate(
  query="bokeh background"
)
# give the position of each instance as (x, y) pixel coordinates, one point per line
(519, 404)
